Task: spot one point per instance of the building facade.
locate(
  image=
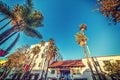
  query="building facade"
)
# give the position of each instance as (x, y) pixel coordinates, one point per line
(38, 64)
(60, 69)
(69, 70)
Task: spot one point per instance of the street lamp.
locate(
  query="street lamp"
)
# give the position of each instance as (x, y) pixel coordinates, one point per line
(81, 39)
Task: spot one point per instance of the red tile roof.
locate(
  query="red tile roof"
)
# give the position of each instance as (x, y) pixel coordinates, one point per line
(68, 63)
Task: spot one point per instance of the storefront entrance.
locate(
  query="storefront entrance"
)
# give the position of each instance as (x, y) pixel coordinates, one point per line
(65, 75)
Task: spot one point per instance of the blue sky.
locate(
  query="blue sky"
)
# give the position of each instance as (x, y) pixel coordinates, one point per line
(61, 22)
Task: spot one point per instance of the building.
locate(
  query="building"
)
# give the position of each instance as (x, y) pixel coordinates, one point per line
(38, 64)
(78, 69)
(60, 69)
(67, 70)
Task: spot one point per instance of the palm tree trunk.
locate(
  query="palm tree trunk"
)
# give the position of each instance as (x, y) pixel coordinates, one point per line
(32, 60)
(89, 64)
(41, 78)
(33, 65)
(99, 76)
(7, 72)
(5, 25)
(3, 19)
(1, 42)
(3, 75)
(112, 77)
(14, 42)
(47, 70)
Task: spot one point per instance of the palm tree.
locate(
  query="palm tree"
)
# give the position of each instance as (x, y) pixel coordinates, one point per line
(10, 64)
(23, 18)
(42, 43)
(50, 54)
(17, 60)
(17, 64)
(110, 9)
(81, 39)
(34, 51)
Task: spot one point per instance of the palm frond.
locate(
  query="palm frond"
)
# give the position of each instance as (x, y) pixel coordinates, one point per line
(32, 33)
(80, 37)
(3, 19)
(35, 19)
(29, 3)
(6, 33)
(1, 42)
(13, 43)
(5, 10)
(5, 25)
(27, 8)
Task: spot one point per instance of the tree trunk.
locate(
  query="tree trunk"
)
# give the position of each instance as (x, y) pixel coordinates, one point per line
(3, 19)
(47, 70)
(1, 42)
(31, 67)
(5, 73)
(92, 59)
(89, 64)
(4, 25)
(32, 60)
(43, 70)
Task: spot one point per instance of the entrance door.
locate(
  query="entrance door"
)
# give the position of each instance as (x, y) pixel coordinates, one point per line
(65, 74)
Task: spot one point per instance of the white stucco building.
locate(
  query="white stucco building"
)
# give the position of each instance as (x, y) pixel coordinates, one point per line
(60, 69)
(79, 70)
(38, 64)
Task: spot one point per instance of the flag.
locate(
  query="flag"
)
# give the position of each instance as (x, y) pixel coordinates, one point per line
(27, 67)
(3, 53)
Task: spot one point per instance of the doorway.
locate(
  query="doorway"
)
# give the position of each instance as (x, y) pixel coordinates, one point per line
(65, 75)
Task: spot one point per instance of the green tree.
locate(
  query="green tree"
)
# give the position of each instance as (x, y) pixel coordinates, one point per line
(81, 39)
(110, 9)
(50, 54)
(113, 70)
(23, 18)
(15, 60)
(35, 51)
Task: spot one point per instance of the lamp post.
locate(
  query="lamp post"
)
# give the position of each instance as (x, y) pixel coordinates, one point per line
(81, 39)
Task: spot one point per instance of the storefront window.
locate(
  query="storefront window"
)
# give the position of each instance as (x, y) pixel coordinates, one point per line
(52, 71)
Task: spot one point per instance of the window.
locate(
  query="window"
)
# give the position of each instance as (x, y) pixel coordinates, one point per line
(52, 71)
(107, 65)
(96, 63)
(28, 57)
(78, 71)
(118, 61)
(39, 64)
(42, 56)
(107, 62)
(34, 64)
